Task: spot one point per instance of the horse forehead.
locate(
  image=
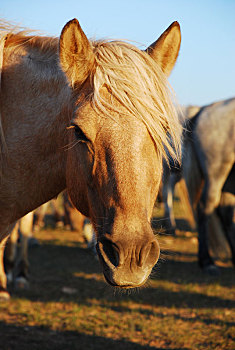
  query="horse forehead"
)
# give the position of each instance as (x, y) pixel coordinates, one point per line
(125, 133)
(113, 126)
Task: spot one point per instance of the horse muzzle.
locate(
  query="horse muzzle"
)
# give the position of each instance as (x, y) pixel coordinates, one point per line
(127, 265)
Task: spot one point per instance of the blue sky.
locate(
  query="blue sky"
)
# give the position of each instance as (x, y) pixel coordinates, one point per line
(205, 70)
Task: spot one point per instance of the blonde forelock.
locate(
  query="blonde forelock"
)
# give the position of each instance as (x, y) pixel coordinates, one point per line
(135, 80)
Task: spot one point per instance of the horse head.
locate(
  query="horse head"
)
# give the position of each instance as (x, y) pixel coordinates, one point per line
(117, 137)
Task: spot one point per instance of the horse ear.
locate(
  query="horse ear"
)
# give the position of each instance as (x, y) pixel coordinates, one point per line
(166, 49)
(76, 54)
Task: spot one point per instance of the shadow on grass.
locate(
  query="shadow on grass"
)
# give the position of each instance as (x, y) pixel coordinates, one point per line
(160, 315)
(54, 267)
(174, 269)
(34, 338)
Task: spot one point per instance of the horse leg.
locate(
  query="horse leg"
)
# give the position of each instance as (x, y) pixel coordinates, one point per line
(204, 259)
(40, 216)
(67, 209)
(22, 265)
(56, 213)
(89, 235)
(210, 200)
(185, 202)
(226, 214)
(4, 295)
(219, 246)
(11, 253)
(3, 278)
(169, 182)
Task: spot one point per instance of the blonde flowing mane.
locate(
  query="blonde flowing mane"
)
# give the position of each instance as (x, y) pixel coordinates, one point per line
(136, 81)
(132, 77)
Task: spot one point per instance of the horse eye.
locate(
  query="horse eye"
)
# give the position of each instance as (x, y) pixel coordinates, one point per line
(79, 134)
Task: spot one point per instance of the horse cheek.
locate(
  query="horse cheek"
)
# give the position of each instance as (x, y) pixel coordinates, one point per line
(77, 181)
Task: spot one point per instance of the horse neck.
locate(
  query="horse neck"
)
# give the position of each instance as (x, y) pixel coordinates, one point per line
(35, 108)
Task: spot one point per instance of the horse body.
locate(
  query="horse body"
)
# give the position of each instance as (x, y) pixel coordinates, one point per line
(209, 171)
(32, 168)
(117, 99)
(217, 148)
(34, 123)
(208, 163)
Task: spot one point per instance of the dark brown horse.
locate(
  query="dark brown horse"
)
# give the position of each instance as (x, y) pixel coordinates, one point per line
(94, 117)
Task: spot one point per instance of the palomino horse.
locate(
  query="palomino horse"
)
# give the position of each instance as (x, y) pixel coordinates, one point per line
(209, 172)
(117, 102)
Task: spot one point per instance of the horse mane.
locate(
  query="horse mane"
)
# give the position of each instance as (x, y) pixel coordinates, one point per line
(135, 80)
(16, 37)
(132, 77)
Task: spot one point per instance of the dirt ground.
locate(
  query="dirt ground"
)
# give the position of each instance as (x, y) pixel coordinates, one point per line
(68, 305)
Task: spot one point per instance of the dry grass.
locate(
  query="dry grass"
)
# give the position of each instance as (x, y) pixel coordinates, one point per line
(181, 308)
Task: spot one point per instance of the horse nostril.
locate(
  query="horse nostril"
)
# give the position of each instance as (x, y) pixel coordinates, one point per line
(154, 253)
(109, 251)
(149, 254)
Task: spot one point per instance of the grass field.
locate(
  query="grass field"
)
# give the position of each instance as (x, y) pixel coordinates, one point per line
(69, 306)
